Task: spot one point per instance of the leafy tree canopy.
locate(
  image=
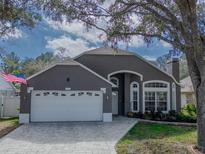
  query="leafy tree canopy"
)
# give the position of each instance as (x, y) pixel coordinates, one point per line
(17, 13)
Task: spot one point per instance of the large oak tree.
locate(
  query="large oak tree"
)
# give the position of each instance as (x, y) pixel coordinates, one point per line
(17, 13)
(178, 22)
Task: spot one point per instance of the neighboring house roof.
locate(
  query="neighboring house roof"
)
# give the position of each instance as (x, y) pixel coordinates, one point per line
(71, 62)
(186, 85)
(4, 85)
(120, 52)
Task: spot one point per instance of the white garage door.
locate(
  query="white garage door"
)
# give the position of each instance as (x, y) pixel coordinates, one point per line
(66, 106)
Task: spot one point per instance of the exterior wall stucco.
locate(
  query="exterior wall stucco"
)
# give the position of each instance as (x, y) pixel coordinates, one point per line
(106, 64)
(56, 79)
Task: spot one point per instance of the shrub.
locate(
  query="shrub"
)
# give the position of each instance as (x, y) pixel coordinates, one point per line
(130, 114)
(138, 115)
(172, 113)
(188, 113)
(147, 116)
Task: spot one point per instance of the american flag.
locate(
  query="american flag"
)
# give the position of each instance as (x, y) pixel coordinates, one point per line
(13, 78)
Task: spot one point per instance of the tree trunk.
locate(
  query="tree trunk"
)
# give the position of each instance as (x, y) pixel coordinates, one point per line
(197, 73)
(200, 97)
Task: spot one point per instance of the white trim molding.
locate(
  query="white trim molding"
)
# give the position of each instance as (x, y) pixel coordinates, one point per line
(132, 89)
(103, 90)
(174, 99)
(136, 55)
(116, 79)
(125, 71)
(99, 76)
(75, 63)
(67, 88)
(157, 89)
(24, 118)
(107, 117)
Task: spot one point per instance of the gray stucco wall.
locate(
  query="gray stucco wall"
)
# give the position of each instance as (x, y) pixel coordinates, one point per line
(56, 79)
(106, 64)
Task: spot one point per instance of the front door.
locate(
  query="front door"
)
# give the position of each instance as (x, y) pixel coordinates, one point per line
(115, 102)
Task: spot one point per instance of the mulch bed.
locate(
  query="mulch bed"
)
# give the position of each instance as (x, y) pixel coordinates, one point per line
(169, 123)
(6, 128)
(193, 149)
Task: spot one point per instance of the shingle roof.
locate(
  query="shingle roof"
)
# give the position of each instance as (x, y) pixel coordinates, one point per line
(108, 51)
(187, 85)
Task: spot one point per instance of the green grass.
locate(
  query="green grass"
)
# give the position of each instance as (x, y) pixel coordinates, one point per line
(157, 138)
(14, 121)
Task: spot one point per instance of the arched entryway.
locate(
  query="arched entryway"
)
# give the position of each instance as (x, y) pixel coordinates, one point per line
(127, 93)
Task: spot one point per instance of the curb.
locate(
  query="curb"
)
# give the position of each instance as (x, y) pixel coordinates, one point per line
(169, 123)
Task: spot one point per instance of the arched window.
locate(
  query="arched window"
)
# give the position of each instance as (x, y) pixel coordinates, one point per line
(115, 81)
(134, 96)
(156, 85)
(156, 96)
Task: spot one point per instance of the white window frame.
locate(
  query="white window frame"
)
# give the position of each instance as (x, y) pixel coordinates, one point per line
(125, 71)
(114, 78)
(157, 89)
(174, 97)
(132, 89)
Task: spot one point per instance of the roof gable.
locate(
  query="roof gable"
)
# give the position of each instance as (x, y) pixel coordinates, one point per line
(71, 62)
(119, 52)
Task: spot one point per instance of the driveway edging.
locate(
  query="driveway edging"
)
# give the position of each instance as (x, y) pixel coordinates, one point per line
(128, 129)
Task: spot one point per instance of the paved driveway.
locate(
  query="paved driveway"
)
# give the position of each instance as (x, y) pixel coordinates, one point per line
(66, 138)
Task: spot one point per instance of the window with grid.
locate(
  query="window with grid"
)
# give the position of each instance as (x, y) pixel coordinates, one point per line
(149, 101)
(156, 96)
(135, 100)
(161, 101)
(156, 85)
(134, 91)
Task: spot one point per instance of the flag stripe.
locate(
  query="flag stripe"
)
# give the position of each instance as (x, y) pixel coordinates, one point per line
(13, 78)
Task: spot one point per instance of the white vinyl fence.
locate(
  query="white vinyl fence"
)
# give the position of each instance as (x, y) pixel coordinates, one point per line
(10, 106)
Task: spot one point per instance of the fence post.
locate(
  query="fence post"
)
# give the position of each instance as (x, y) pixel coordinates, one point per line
(2, 106)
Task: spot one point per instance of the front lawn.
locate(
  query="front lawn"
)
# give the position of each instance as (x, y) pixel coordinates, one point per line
(157, 139)
(7, 125)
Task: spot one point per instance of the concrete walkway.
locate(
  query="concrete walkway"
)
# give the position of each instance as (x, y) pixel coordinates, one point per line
(66, 138)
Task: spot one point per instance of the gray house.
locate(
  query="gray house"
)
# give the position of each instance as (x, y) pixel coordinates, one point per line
(98, 84)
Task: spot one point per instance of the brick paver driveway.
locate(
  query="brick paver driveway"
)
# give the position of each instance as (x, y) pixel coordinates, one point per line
(66, 138)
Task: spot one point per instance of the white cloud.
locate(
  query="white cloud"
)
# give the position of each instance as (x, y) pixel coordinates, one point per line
(13, 34)
(70, 46)
(165, 44)
(135, 19)
(77, 28)
(94, 35)
(107, 3)
(137, 41)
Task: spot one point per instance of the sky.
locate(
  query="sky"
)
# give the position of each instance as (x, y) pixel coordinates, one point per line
(49, 36)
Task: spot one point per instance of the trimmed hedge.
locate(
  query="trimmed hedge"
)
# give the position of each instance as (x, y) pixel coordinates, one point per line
(187, 114)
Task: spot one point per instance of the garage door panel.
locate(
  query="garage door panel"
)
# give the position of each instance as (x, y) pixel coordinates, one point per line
(75, 106)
